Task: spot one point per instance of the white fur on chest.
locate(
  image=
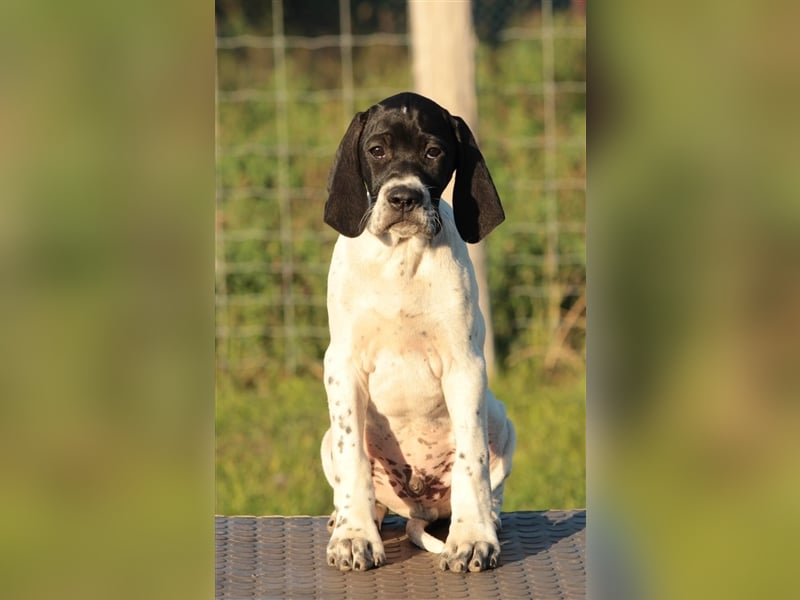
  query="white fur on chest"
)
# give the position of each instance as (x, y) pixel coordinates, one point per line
(401, 310)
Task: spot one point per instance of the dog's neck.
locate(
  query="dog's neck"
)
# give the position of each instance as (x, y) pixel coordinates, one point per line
(402, 255)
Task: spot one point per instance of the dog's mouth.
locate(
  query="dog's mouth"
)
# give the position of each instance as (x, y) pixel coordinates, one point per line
(405, 207)
(409, 228)
(418, 222)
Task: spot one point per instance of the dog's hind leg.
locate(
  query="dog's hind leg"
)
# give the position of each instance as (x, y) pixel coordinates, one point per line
(327, 468)
(503, 441)
(380, 513)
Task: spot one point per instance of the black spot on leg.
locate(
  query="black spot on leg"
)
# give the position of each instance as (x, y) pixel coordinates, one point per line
(348, 430)
(330, 379)
(461, 455)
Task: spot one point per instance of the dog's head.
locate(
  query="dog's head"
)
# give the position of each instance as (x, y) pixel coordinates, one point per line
(392, 165)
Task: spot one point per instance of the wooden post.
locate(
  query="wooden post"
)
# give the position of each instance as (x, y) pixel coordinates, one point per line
(443, 55)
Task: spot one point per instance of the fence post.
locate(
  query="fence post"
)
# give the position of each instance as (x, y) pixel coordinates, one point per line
(443, 56)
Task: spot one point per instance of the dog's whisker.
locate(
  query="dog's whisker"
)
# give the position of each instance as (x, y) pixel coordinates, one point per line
(362, 224)
(437, 221)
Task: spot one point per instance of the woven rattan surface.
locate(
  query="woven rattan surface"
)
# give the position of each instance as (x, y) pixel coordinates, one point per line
(542, 556)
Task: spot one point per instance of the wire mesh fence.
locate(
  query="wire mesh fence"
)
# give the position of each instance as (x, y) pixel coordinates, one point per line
(290, 76)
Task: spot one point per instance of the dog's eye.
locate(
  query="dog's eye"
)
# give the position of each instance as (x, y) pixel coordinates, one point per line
(377, 151)
(433, 152)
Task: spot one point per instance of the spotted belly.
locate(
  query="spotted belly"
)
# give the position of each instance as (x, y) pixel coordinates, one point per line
(411, 468)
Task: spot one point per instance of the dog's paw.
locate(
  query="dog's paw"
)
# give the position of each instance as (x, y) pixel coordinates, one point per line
(461, 555)
(351, 550)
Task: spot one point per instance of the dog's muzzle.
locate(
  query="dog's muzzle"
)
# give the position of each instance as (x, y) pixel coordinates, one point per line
(405, 206)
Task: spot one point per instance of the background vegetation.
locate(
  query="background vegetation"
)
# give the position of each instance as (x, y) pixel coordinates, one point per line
(270, 417)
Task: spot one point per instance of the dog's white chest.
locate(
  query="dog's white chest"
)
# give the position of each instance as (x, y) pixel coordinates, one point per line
(404, 311)
(399, 352)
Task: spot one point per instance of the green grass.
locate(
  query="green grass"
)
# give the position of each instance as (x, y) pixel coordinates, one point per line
(268, 446)
(550, 461)
(268, 450)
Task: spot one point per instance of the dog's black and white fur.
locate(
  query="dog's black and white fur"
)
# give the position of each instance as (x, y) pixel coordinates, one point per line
(414, 428)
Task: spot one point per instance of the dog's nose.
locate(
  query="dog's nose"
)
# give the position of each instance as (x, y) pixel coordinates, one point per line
(404, 198)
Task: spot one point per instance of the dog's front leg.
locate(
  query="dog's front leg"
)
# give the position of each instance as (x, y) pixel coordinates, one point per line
(355, 542)
(472, 542)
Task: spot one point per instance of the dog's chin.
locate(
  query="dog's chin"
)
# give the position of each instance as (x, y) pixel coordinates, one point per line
(425, 228)
(409, 229)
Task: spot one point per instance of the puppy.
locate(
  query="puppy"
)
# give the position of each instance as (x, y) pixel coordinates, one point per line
(414, 428)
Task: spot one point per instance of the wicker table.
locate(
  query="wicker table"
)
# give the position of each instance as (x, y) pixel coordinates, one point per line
(542, 556)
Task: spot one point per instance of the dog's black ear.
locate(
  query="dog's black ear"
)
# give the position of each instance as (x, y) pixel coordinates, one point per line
(476, 204)
(347, 195)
